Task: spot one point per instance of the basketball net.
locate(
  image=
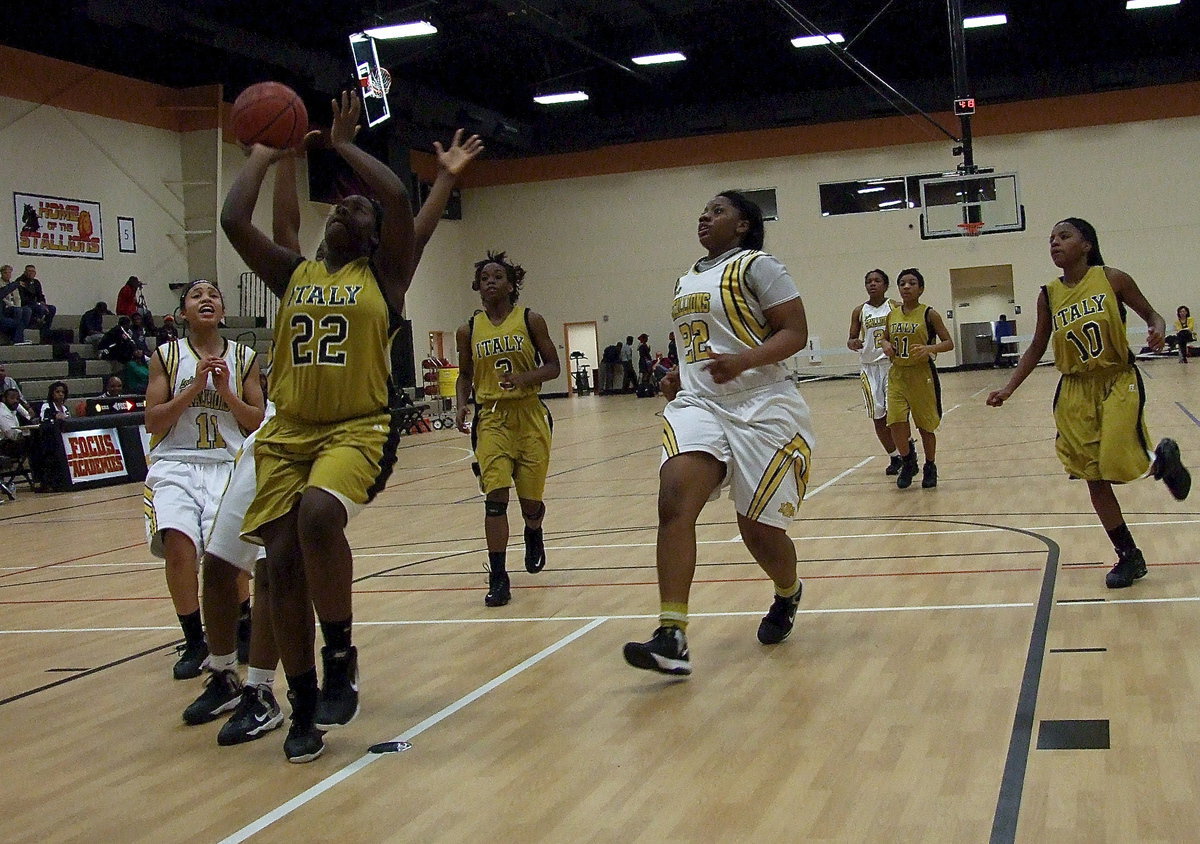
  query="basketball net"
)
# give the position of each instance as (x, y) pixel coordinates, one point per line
(381, 82)
(972, 229)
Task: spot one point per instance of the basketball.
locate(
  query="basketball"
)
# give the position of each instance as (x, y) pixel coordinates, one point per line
(269, 113)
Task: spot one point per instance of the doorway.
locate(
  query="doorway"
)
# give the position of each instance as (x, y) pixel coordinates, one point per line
(980, 295)
(582, 359)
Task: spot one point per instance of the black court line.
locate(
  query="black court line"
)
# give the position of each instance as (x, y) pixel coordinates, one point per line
(1080, 601)
(650, 566)
(1012, 783)
(89, 672)
(64, 670)
(1187, 413)
(1078, 650)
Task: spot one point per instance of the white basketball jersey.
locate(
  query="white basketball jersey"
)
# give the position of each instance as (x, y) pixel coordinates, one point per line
(720, 309)
(874, 325)
(207, 431)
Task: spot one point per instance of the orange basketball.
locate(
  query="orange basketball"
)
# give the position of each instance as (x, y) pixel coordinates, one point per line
(269, 113)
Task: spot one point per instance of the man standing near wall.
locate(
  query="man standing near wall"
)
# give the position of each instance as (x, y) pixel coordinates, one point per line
(629, 381)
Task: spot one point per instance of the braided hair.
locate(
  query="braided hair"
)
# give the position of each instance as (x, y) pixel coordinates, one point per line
(514, 272)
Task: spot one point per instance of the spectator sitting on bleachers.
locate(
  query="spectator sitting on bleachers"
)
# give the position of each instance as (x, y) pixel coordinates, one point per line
(14, 317)
(141, 339)
(137, 371)
(167, 332)
(117, 343)
(113, 387)
(130, 301)
(34, 298)
(91, 324)
(56, 402)
(7, 383)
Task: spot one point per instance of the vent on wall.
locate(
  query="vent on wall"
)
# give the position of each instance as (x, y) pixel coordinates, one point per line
(764, 198)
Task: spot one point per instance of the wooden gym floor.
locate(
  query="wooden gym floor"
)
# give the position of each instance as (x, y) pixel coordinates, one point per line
(948, 642)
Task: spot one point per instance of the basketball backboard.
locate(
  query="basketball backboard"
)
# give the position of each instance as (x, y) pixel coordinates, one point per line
(366, 69)
(980, 203)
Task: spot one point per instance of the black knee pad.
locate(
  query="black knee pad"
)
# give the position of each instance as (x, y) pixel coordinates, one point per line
(495, 508)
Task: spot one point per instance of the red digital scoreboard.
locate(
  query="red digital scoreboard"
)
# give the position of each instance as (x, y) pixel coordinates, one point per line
(964, 106)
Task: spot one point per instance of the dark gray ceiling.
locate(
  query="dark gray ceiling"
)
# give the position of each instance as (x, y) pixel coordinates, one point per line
(490, 56)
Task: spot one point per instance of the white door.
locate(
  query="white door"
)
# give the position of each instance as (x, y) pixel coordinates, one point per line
(581, 338)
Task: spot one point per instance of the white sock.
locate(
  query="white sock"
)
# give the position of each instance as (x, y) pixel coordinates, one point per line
(223, 662)
(260, 677)
(892, 452)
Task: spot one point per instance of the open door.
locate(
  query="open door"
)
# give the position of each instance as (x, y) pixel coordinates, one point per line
(582, 360)
(980, 296)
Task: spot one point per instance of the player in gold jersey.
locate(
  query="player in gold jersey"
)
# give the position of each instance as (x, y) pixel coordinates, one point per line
(914, 334)
(330, 447)
(1098, 408)
(504, 355)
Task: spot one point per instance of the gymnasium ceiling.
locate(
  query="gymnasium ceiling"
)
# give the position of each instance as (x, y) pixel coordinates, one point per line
(490, 57)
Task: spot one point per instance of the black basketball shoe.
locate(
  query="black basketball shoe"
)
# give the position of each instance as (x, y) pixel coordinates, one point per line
(929, 476)
(535, 550)
(893, 467)
(777, 623)
(337, 705)
(191, 660)
(908, 470)
(666, 652)
(1130, 566)
(222, 690)
(257, 713)
(1169, 468)
(499, 591)
(304, 741)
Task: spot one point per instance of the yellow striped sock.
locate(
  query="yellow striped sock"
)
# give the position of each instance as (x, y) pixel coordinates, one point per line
(789, 591)
(673, 615)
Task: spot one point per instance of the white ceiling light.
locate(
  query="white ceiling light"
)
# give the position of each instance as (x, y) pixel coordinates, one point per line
(984, 20)
(891, 202)
(660, 58)
(565, 97)
(818, 40)
(402, 30)
(871, 190)
(1148, 4)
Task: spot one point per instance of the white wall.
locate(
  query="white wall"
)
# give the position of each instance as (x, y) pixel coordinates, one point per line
(122, 166)
(614, 245)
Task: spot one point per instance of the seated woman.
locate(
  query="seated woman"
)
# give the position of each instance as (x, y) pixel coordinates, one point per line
(56, 402)
(1185, 331)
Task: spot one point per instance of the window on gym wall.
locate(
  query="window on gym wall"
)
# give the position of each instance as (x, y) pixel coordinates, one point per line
(889, 193)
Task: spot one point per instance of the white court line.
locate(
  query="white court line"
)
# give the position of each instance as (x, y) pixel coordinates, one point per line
(826, 485)
(951, 410)
(362, 762)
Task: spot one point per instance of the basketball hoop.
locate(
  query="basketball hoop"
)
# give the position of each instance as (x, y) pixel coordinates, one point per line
(972, 229)
(380, 82)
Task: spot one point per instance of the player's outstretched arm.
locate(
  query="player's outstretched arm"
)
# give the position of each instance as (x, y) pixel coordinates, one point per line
(285, 206)
(1029, 360)
(272, 263)
(452, 162)
(393, 258)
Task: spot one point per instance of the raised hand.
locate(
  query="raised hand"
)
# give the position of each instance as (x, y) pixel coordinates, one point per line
(345, 119)
(459, 154)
